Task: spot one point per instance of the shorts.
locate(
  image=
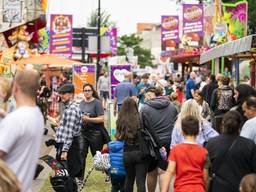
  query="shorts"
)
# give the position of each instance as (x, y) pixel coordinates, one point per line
(160, 163)
(104, 94)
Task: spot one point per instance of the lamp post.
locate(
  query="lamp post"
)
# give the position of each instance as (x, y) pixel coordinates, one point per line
(98, 43)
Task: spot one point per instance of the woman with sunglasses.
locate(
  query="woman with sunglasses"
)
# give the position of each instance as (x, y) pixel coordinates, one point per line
(93, 121)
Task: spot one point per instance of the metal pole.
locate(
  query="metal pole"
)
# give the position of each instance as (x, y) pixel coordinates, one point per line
(98, 43)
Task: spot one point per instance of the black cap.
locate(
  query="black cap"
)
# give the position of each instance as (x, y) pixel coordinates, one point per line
(66, 88)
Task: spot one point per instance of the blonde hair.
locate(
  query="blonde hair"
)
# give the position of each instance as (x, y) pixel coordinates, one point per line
(189, 108)
(9, 182)
(5, 85)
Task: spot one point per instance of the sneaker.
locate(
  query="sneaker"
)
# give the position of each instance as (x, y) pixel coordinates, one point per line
(80, 184)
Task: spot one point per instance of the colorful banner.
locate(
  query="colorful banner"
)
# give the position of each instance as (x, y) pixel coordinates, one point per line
(235, 17)
(61, 35)
(117, 73)
(170, 33)
(112, 34)
(193, 25)
(83, 74)
(117, 76)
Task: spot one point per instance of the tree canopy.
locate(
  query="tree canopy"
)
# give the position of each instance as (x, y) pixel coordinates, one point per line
(133, 41)
(105, 19)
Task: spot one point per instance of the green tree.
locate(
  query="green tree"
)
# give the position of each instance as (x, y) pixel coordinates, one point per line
(105, 19)
(133, 41)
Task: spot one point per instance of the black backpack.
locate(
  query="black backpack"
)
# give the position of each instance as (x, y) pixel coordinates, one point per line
(225, 99)
(63, 184)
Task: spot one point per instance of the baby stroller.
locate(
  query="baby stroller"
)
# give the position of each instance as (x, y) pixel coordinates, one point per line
(61, 181)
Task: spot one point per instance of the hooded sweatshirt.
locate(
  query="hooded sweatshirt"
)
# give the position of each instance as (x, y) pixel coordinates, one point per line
(159, 115)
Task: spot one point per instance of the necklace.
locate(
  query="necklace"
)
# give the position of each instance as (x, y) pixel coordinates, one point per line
(89, 100)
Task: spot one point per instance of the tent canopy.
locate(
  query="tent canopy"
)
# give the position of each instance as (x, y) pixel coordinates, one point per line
(50, 60)
(244, 44)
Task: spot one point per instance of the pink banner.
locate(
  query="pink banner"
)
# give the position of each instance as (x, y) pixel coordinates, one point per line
(170, 33)
(193, 25)
(61, 35)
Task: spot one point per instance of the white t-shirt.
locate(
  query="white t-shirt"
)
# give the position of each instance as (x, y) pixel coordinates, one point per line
(249, 129)
(21, 137)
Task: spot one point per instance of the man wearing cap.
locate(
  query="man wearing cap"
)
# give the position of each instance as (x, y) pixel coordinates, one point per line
(68, 131)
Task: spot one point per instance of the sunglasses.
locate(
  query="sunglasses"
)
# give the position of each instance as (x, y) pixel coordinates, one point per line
(87, 91)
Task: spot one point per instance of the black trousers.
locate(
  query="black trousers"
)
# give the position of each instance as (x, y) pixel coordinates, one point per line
(117, 183)
(73, 163)
(89, 138)
(136, 167)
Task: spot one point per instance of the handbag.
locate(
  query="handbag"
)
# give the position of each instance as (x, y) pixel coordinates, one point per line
(213, 175)
(101, 162)
(148, 145)
(105, 135)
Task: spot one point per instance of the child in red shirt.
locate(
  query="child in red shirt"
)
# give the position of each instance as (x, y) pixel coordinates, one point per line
(188, 161)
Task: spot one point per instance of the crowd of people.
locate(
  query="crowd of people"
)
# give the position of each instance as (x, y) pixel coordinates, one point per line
(199, 131)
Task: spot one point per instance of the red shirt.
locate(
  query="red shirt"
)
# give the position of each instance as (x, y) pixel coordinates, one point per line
(190, 160)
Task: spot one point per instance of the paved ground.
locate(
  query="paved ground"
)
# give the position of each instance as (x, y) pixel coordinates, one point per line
(44, 175)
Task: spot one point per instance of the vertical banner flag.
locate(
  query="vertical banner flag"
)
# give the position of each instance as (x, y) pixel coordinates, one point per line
(113, 40)
(193, 25)
(170, 33)
(61, 35)
(83, 74)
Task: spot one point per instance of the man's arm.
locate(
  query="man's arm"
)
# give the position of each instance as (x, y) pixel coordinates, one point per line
(168, 175)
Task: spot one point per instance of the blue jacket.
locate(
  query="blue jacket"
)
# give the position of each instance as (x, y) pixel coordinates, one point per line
(116, 158)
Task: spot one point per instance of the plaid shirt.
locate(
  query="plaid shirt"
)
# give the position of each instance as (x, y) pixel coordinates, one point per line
(70, 125)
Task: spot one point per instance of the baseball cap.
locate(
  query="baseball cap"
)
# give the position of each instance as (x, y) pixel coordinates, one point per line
(66, 88)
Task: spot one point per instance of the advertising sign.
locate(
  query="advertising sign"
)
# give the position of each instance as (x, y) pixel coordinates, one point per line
(61, 35)
(235, 17)
(12, 11)
(193, 25)
(83, 74)
(117, 76)
(170, 33)
(117, 73)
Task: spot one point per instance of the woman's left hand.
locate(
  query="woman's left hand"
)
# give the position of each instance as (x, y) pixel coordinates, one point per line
(85, 118)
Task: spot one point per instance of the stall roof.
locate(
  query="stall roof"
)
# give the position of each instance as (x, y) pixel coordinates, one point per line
(50, 60)
(244, 44)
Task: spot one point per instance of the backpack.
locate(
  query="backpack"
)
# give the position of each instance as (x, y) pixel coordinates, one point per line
(225, 99)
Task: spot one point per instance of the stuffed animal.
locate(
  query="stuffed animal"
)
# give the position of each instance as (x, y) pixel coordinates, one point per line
(20, 38)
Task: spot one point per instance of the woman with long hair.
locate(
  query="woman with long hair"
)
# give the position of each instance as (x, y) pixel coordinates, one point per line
(242, 92)
(128, 125)
(191, 107)
(232, 156)
(204, 106)
(93, 121)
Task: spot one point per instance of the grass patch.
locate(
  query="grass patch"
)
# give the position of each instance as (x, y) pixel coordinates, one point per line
(95, 182)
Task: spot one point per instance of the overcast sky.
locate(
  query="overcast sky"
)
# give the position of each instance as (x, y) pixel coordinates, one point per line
(126, 13)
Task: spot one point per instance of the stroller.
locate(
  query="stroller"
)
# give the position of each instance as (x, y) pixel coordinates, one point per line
(61, 181)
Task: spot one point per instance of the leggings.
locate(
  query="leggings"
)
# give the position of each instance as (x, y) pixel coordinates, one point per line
(90, 138)
(136, 168)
